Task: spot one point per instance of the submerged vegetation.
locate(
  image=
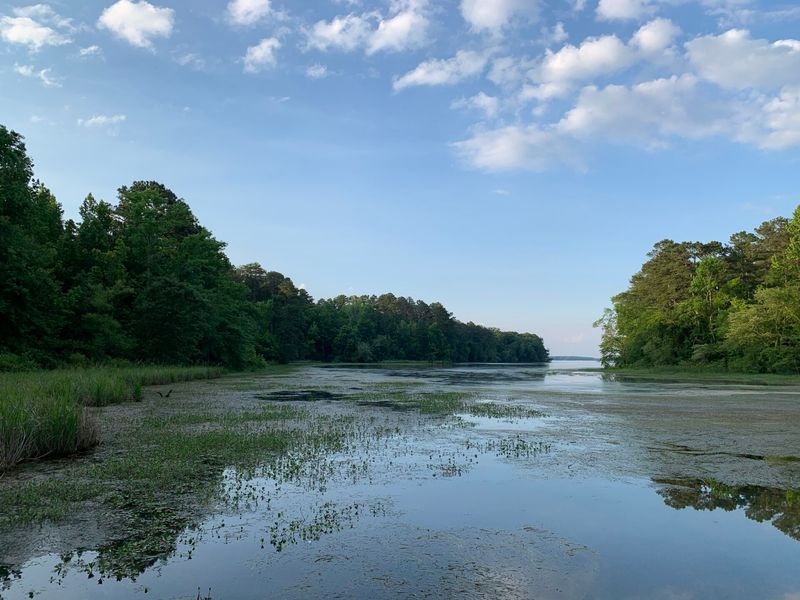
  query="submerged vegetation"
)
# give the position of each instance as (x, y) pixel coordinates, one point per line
(44, 413)
(166, 463)
(732, 306)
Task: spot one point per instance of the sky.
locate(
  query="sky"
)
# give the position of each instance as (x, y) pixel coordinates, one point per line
(512, 159)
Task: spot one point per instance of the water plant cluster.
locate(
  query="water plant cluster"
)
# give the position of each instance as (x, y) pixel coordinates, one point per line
(43, 414)
(240, 446)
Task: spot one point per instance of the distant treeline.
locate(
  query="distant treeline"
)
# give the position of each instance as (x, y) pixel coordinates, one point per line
(143, 281)
(732, 305)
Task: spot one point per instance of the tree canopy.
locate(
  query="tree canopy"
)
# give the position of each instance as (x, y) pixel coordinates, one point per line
(734, 305)
(142, 280)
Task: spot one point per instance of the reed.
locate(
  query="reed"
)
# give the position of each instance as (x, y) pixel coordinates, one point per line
(43, 414)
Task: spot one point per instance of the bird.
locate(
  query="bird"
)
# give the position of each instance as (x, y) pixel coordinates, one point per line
(164, 395)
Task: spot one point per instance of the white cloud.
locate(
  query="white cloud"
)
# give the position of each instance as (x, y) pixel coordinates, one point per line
(509, 70)
(90, 51)
(405, 27)
(655, 36)
(734, 60)
(730, 87)
(781, 117)
(35, 26)
(464, 64)
(529, 147)
(102, 121)
(489, 105)
(652, 115)
(344, 33)
(544, 91)
(192, 61)
(248, 12)
(492, 15)
(556, 35)
(317, 71)
(623, 9)
(42, 75)
(262, 55)
(648, 114)
(594, 57)
(138, 23)
(771, 123)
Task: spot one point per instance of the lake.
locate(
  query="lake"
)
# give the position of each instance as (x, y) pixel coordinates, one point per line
(476, 481)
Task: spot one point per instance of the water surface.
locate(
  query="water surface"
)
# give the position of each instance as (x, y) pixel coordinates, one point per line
(612, 490)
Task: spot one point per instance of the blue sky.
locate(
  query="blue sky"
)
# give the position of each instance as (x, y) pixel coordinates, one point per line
(513, 159)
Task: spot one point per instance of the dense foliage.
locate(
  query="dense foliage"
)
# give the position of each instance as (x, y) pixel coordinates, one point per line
(734, 305)
(142, 280)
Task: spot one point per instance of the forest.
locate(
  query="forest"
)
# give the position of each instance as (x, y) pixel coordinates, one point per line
(732, 306)
(141, 281)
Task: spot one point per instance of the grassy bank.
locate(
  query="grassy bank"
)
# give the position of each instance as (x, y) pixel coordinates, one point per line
(44, 414)
(696, 374)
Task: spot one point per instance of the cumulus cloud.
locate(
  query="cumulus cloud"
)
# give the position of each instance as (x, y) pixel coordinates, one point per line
(35, 26)
(781, 120)
(609, 10)
(771, 123)
(343, 33)
(489, 105)
(594, 57)
(557, 73)
(509, 70)
(655, 36)
(42, 75)
(464, 64)
(45, 13)
(734, 60)
(138, 23)
(317, 71)
(652, 114)
(556, 35)
(492, 15)
(529, 147)
(93, 50)
(648, 114)
(102, 121)
(191, 61)
(248, 12)
(404, 27)
(261, 56)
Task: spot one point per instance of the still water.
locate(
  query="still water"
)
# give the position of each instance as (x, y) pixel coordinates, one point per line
(568, 484)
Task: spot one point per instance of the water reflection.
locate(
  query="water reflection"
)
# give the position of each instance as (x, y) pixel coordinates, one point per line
(466, 490)
(781, 507)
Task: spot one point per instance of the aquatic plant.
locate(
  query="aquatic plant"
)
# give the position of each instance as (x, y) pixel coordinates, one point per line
(43, 414)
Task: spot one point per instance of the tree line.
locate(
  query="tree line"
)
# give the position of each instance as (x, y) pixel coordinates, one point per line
(733, 305)
(143, 281)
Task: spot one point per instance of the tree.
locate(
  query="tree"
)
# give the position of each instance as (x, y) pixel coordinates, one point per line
(31, 229)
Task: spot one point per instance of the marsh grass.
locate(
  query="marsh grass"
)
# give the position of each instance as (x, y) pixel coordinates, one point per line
(43, 413)
(169, 468)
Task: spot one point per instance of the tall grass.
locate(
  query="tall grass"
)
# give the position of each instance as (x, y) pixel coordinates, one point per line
(44, 414)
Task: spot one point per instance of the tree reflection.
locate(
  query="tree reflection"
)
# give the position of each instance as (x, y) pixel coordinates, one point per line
(779, 506)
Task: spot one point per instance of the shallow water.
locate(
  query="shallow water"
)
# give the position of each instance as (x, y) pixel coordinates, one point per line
(621, 490)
